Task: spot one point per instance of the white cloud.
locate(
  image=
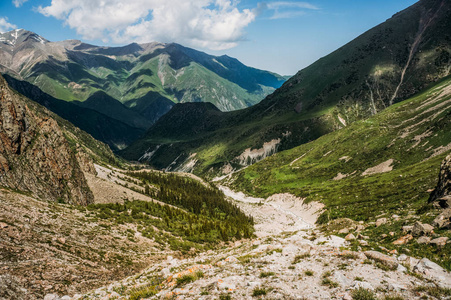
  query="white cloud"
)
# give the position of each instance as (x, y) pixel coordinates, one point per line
(5, 26)
(214, 24)
(18, 3)
(287, 9)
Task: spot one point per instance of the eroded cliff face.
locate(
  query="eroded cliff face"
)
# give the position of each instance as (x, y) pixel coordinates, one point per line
(35, 155)
(443, 190)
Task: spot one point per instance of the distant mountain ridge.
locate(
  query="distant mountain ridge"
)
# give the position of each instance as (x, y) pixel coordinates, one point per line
(134, 84)
(384, 65)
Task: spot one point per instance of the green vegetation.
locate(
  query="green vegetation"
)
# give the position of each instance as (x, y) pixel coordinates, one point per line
(146, 291)
(194, 216)
(434, 291)
(266, 274)
(362, 294)
(259, 292)
(351, 84)
(309, 272)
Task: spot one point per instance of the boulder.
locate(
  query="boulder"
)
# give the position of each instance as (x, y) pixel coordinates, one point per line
(386, 260)
(445, 202)
(443, 187)
(350, 237)
(381, 221)
(434, 272)
(423, 240)
(421, 229)
(439, 242)
(443, 220)
(51, 297)
(403, 240)
(344, 231)
(407, 229)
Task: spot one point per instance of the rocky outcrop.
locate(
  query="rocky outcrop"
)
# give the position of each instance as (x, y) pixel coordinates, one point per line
(34, 153)
(442, 194)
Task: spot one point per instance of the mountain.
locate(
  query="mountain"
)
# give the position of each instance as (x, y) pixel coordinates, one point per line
(383, 66)
(72, 70)
(109, 130)
(35, 154)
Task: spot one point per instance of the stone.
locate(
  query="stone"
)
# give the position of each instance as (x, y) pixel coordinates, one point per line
(66, 297)
(445, 202)
(423, 240)
(165, 272)
(61, 240)
(403, 240)
(231, 259)
(401, 268)
(363, 243)
(402, 257)
(443, 187)
(386, 260)
(443, 220)
(3, 225)
(51, 297)
(439, 242)
(384, 235)
(381, 221)
(363, 284)
(421, 229)
(391, 233)
(395, 217)
(396, 287)
(350, 237)
(407, 229)
(290, 250)
(434, 272)
(344, 231)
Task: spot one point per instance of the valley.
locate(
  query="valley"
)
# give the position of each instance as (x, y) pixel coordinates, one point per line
(156, 171)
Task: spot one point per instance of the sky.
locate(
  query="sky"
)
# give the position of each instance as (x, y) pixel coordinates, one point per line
(280, 36)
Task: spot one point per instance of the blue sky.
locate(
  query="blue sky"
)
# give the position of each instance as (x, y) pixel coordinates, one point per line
(280, 36)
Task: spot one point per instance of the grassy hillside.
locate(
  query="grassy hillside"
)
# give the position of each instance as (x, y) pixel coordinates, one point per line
(383, 166)
(383, 66)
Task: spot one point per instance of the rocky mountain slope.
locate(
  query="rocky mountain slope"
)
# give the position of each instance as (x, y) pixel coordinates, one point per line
(35, 154)
(134, 84)
(290, 259)
(383, 66)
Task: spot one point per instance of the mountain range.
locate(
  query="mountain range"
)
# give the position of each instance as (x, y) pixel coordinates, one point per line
(132, 85)
(383, 66)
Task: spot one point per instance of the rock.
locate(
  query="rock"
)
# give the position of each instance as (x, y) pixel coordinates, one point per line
(51, 297)
(423, 240)
(396, 287)
(443, 220)
(232, 259)
(165, 272)
(445, 202)
(395, 217)
(381, 221)
(434, 272)
(407, 229)
(344, 231)
(402, 257)
(341, 279)
(61, 240)
(350, 237)
(391, 233)
(386, 260)
(384, 235)
(403, 240)
(290, 250)
(362, 284)
(443, 187)
(401, 268)
(421, 229)
(3, 225)
(439, 242)
(66, 297)
(363, 243)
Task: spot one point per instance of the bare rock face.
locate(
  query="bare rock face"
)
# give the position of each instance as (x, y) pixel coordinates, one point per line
(443, 188)
(34, 153)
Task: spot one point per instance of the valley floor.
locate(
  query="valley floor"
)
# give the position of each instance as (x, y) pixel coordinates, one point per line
(289, 259)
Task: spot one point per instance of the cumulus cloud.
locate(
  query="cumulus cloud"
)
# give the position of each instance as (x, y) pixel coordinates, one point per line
(18, 3)
(213, 24)
(5, 25)
(286, 9)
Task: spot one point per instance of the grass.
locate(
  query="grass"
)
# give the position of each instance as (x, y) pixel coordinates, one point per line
(259, 292)
(300, 257)
(434, 291)
(266, 274)
(309, 272)
(362, 294)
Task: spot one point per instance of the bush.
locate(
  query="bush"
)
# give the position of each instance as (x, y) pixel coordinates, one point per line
(259, 292)
(362, 294)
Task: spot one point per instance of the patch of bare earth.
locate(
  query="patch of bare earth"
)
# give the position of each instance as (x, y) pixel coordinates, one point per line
(386, 166)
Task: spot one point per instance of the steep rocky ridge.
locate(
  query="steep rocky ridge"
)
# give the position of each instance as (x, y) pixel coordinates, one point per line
(383, 66)
(35, 155)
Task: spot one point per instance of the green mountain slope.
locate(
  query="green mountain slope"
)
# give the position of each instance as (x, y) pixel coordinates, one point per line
(383, 166)
(103, 128)
(383, 66)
